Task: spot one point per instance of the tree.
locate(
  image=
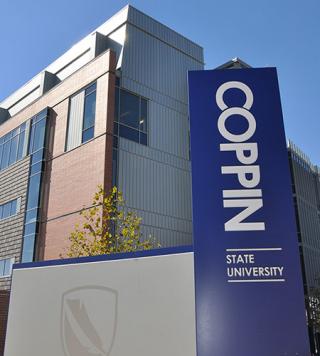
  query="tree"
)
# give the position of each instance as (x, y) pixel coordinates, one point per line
(108, 227)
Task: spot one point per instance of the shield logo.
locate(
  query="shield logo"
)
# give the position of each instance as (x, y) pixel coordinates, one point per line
(88, 321)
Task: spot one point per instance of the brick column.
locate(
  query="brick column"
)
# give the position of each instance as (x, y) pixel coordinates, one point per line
(4, 308)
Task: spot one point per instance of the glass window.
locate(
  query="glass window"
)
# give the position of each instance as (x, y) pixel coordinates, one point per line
(5, 155)
(81, 121)
(130, 134)
(36, 157)
(38, 139)
(116, 107)
(36, 168)
(87, 134)
(143, 139)
(129, 109)
(13, 210)
(30, 228)
(13, 150)
(2, 262)
(34, 191)
(9, 209)
(133, 122)
(28, 248)
(21, 144)
(91, 89)
(11, 146)
(89, 110)
(31, 216)
(143, 116)
(6, 210)
(8, 266)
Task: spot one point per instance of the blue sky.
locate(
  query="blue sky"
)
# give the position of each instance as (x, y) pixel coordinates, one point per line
(280, 33)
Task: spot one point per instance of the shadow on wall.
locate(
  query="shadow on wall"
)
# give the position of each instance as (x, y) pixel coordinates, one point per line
(4, 307)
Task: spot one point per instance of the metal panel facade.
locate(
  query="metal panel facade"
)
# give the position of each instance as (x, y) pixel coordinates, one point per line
(155, 179)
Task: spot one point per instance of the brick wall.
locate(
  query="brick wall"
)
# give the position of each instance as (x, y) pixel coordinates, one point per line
(4, 306)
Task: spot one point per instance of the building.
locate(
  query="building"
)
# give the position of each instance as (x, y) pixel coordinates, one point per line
(306, 194)
(111, 110)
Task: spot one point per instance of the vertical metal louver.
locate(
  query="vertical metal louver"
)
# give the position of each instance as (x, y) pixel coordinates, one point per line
(75, 121)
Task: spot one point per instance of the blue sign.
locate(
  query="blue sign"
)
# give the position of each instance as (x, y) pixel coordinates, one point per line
(249, 292)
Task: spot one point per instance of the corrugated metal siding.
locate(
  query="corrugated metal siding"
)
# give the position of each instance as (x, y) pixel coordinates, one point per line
(307, 198)
(158, 190)
(164, 33)
(75, 120)
(156, 65)
(155, 96)
(156, 179)
(168, 130)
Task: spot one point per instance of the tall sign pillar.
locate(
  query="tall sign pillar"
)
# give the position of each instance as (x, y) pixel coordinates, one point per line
(249, 292)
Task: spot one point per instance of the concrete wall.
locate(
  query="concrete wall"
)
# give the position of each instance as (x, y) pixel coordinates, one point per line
(134, 306)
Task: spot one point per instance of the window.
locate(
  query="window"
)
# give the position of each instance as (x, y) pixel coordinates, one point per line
(131, 116)
(10, 208)
(89, 113)
(6, 267)
(81, 121)
(12, 146)
(37, 151)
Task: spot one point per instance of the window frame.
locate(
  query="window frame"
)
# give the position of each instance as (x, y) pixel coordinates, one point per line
(20, 135)
(83, 89)
(8, 204)
(118, 124)
(10, 260)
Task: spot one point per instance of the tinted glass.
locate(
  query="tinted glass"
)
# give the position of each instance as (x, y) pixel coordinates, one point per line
(21, 145)
(14, 150)
(40, 116)
(36, 157)
(39, 132)
(36, 168)
(30, 228)
(87, 134)
(91, 88)
(115, 142)
(89, 110)
(34, 191)
(5, 155)
(28, 248)
(143, 138)
(117, 81)
(129, 133)
(116, 107)
(1, 209)
(7, 267)
(129, 109)
(2, 267)
(13, 207)
(6, 210)
(116, 128)
(31, 216)
(143, 115)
